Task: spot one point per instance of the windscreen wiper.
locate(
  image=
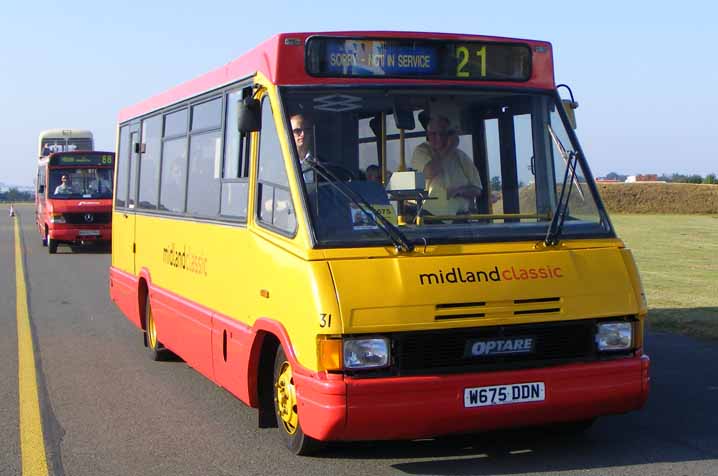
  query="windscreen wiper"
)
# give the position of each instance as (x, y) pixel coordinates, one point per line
(401, 243)
(559, 216)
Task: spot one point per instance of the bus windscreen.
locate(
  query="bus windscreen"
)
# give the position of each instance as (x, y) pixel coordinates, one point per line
(82, 182)
(410, 58)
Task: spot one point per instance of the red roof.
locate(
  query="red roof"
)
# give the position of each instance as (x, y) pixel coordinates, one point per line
(265, 59)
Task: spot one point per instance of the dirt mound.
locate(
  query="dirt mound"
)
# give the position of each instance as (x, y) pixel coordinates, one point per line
(673, 198)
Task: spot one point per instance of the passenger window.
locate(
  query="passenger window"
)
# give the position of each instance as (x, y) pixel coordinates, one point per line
(274, 204)
(204, 170)
(123, 160)
(150, 162)
(174, 175)
(176, 123)
(207, 115)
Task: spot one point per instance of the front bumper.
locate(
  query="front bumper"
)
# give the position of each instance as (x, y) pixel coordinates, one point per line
(332, 408)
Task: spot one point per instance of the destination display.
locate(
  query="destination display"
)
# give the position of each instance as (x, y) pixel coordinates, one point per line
(408, 58)
(83, 159)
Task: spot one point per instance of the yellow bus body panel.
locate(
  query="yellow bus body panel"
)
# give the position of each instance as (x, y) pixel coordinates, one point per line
(483, 289)
(230, 270)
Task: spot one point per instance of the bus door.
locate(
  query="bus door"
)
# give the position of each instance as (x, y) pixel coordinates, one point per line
(123, 226)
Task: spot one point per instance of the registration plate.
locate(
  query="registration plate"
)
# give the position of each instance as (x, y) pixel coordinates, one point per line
(89, 233)
(504, 394)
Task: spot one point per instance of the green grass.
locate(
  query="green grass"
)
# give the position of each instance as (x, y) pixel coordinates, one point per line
(677, 256)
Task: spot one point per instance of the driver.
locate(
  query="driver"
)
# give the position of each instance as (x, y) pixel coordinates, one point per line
(64, 187)
(303, 132)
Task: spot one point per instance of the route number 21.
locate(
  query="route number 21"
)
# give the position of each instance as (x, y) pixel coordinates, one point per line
(463, 55)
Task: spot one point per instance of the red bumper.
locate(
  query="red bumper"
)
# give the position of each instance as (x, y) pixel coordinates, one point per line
(426, 406)
(81, 234)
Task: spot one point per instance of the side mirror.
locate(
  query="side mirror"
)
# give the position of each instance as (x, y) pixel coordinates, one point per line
(569, 107)
(249, 115)
(41, 188)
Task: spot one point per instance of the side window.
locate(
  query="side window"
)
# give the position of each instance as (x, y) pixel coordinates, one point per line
(174, 162)
(274, 202)
(40, 181)
(123, 150)
(174, 175)
(204, 159)
(150, 162)
(235, 183)
(176, 123)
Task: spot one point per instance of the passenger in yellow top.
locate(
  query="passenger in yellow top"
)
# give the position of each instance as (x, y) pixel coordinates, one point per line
(451, 176)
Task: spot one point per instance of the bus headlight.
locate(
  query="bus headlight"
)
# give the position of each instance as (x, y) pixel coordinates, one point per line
(614, 336)
(366, 353)
(57, 218)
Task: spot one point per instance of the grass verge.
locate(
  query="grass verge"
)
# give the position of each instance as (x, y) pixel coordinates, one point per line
(677, 256)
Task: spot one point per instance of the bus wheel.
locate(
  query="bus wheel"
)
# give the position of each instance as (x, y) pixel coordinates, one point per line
(285, 408)
(157, 350)
(51, 245)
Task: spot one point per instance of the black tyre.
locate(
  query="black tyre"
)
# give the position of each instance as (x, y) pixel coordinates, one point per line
(156, 350)
(285, 409)
(51, 245)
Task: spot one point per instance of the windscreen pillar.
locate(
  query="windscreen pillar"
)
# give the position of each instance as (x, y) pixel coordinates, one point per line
(509, 174)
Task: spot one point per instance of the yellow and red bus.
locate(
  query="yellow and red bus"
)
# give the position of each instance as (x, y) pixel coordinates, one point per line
(250, 239)
(73, 196)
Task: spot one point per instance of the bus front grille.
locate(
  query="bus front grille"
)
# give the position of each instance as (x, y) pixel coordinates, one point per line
(447, 351)
(87, 218)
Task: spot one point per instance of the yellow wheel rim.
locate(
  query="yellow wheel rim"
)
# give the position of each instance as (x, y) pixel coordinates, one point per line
(286, 396)
(151, 330)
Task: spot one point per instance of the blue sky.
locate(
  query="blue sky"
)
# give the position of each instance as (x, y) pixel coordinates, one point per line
(646, 77)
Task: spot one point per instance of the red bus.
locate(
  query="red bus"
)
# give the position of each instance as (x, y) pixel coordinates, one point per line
(73, 199)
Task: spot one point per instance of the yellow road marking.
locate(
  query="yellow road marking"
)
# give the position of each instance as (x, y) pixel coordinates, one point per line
(32, 443)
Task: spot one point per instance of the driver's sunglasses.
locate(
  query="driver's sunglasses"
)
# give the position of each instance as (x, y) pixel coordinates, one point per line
(299, 131)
